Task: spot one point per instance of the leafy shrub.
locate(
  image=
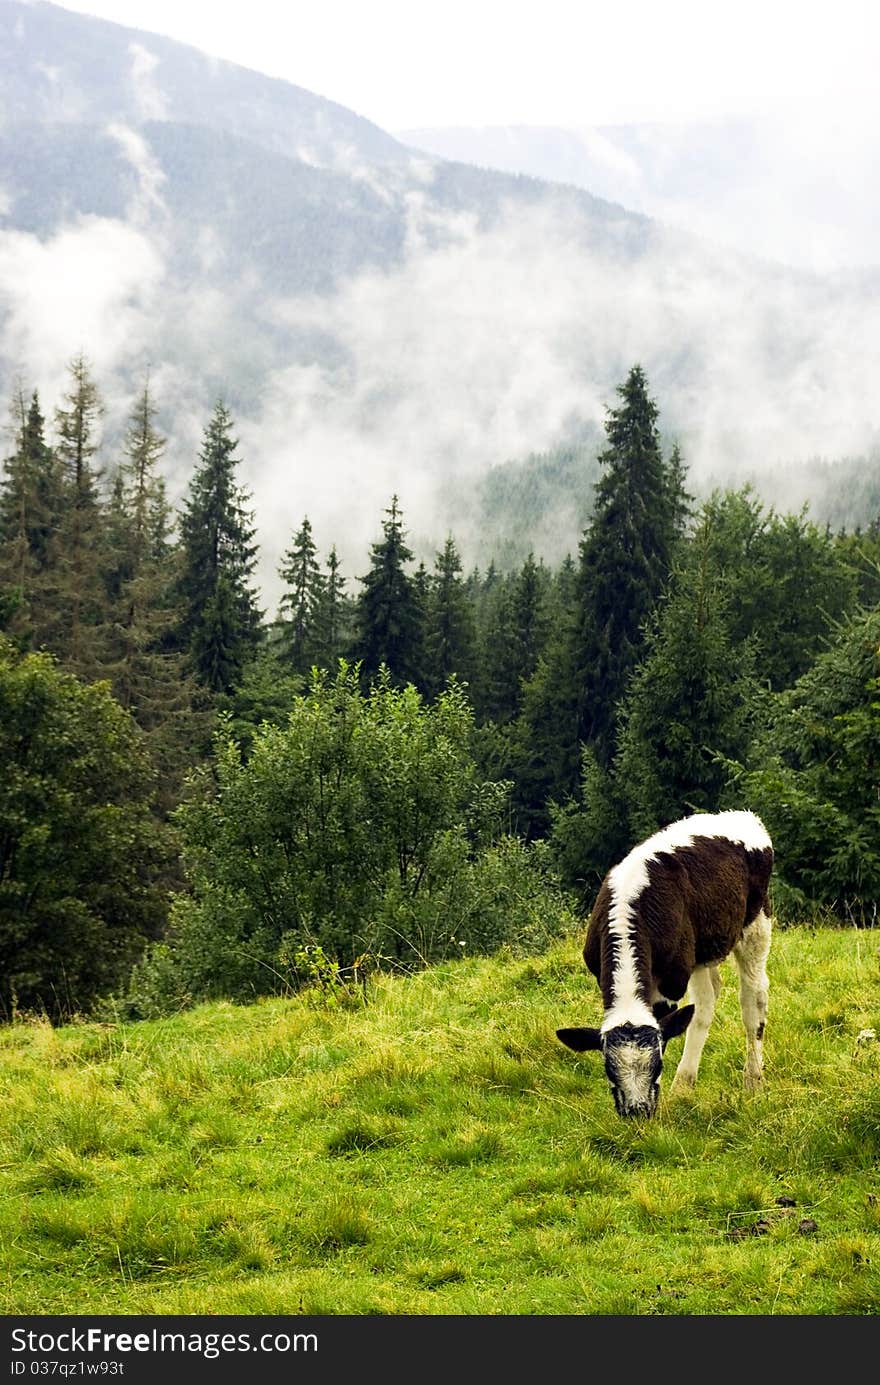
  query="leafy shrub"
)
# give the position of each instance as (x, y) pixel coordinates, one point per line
(359, 827)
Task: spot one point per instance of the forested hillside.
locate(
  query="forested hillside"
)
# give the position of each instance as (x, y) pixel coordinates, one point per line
(202, 797)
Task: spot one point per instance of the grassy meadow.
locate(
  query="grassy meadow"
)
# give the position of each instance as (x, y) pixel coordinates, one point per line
(429, 1147)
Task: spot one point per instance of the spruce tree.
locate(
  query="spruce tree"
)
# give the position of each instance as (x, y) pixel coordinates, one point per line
(334, 618)
(530, 623)
(30, 507)
(389, 613)
(449, 633)
(76, 429)
(545, 763)
(150, 676)
(78, 630)
(300, 604)
(498, 684)
(625, 560)
(221, 623)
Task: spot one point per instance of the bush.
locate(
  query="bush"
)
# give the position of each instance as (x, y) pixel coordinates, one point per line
(360, 827)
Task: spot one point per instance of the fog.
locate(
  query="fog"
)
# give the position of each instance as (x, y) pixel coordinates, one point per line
(797, 187)
(499, 344)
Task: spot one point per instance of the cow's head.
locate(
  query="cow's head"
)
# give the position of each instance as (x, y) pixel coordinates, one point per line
(633, 1056)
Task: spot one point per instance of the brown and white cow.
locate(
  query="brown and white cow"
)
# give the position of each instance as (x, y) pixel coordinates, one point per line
(664, 918)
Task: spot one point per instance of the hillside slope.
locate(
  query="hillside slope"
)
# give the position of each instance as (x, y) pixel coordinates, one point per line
(435, 1150)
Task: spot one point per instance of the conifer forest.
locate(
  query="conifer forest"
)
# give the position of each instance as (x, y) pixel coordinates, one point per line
(202, 798)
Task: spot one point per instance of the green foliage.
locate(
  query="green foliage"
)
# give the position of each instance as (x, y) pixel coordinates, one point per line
(860, 550)
(786, 582)
(353, 827)
(30, 509)
(81, 855)
(691, 699)
(589, 833)
(150, 677)
(334, 617)
(545, 750)
(76, 617)
(812, 774)
(265, 693)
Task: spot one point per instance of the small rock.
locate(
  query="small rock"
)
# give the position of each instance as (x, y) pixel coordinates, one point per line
(866, 1036)
(806, 1226)
(785, 1202)
(761, 1227)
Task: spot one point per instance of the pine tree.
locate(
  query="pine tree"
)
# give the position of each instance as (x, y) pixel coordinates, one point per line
(334, 618)
(221, 623)
(80, 609)
(625, 560)
(530, 625)
(75, 427)
(544, 761)
(300, 603)
(449, 633)
(149, 675)
(30, 505)
(390, 613)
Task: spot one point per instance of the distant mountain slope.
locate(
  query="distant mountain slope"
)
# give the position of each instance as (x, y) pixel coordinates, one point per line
(379, 320)
(799, 191)
(299, 224)
(57, 66)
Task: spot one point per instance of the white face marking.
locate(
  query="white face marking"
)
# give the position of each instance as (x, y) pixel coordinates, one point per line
(627, 881)
(635, 1071)
(633, 1066)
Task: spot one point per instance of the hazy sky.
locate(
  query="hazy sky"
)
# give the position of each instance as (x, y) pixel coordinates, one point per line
(405, 63)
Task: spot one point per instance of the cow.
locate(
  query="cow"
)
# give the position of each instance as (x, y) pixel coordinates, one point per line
(664, 918)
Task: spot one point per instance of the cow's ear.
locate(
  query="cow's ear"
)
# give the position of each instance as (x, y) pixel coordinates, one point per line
(580, 1039)
(675, 1023)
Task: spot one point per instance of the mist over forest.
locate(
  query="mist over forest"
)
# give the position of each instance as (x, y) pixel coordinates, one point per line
(381, 320)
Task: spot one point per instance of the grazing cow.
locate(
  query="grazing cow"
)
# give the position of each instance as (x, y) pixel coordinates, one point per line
(664, 918)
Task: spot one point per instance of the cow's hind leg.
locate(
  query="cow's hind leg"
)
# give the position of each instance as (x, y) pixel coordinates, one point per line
(703, 988)
(750, 956)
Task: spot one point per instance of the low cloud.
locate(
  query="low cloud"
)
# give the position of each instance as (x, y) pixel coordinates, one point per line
(147, 201)
(90, 288)
(481, 347)
(151, 103)
(502, 342)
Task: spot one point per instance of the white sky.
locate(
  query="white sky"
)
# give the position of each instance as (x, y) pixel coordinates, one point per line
(404, 63)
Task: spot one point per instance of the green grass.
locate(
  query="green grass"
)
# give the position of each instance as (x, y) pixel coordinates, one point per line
(437, 1151)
